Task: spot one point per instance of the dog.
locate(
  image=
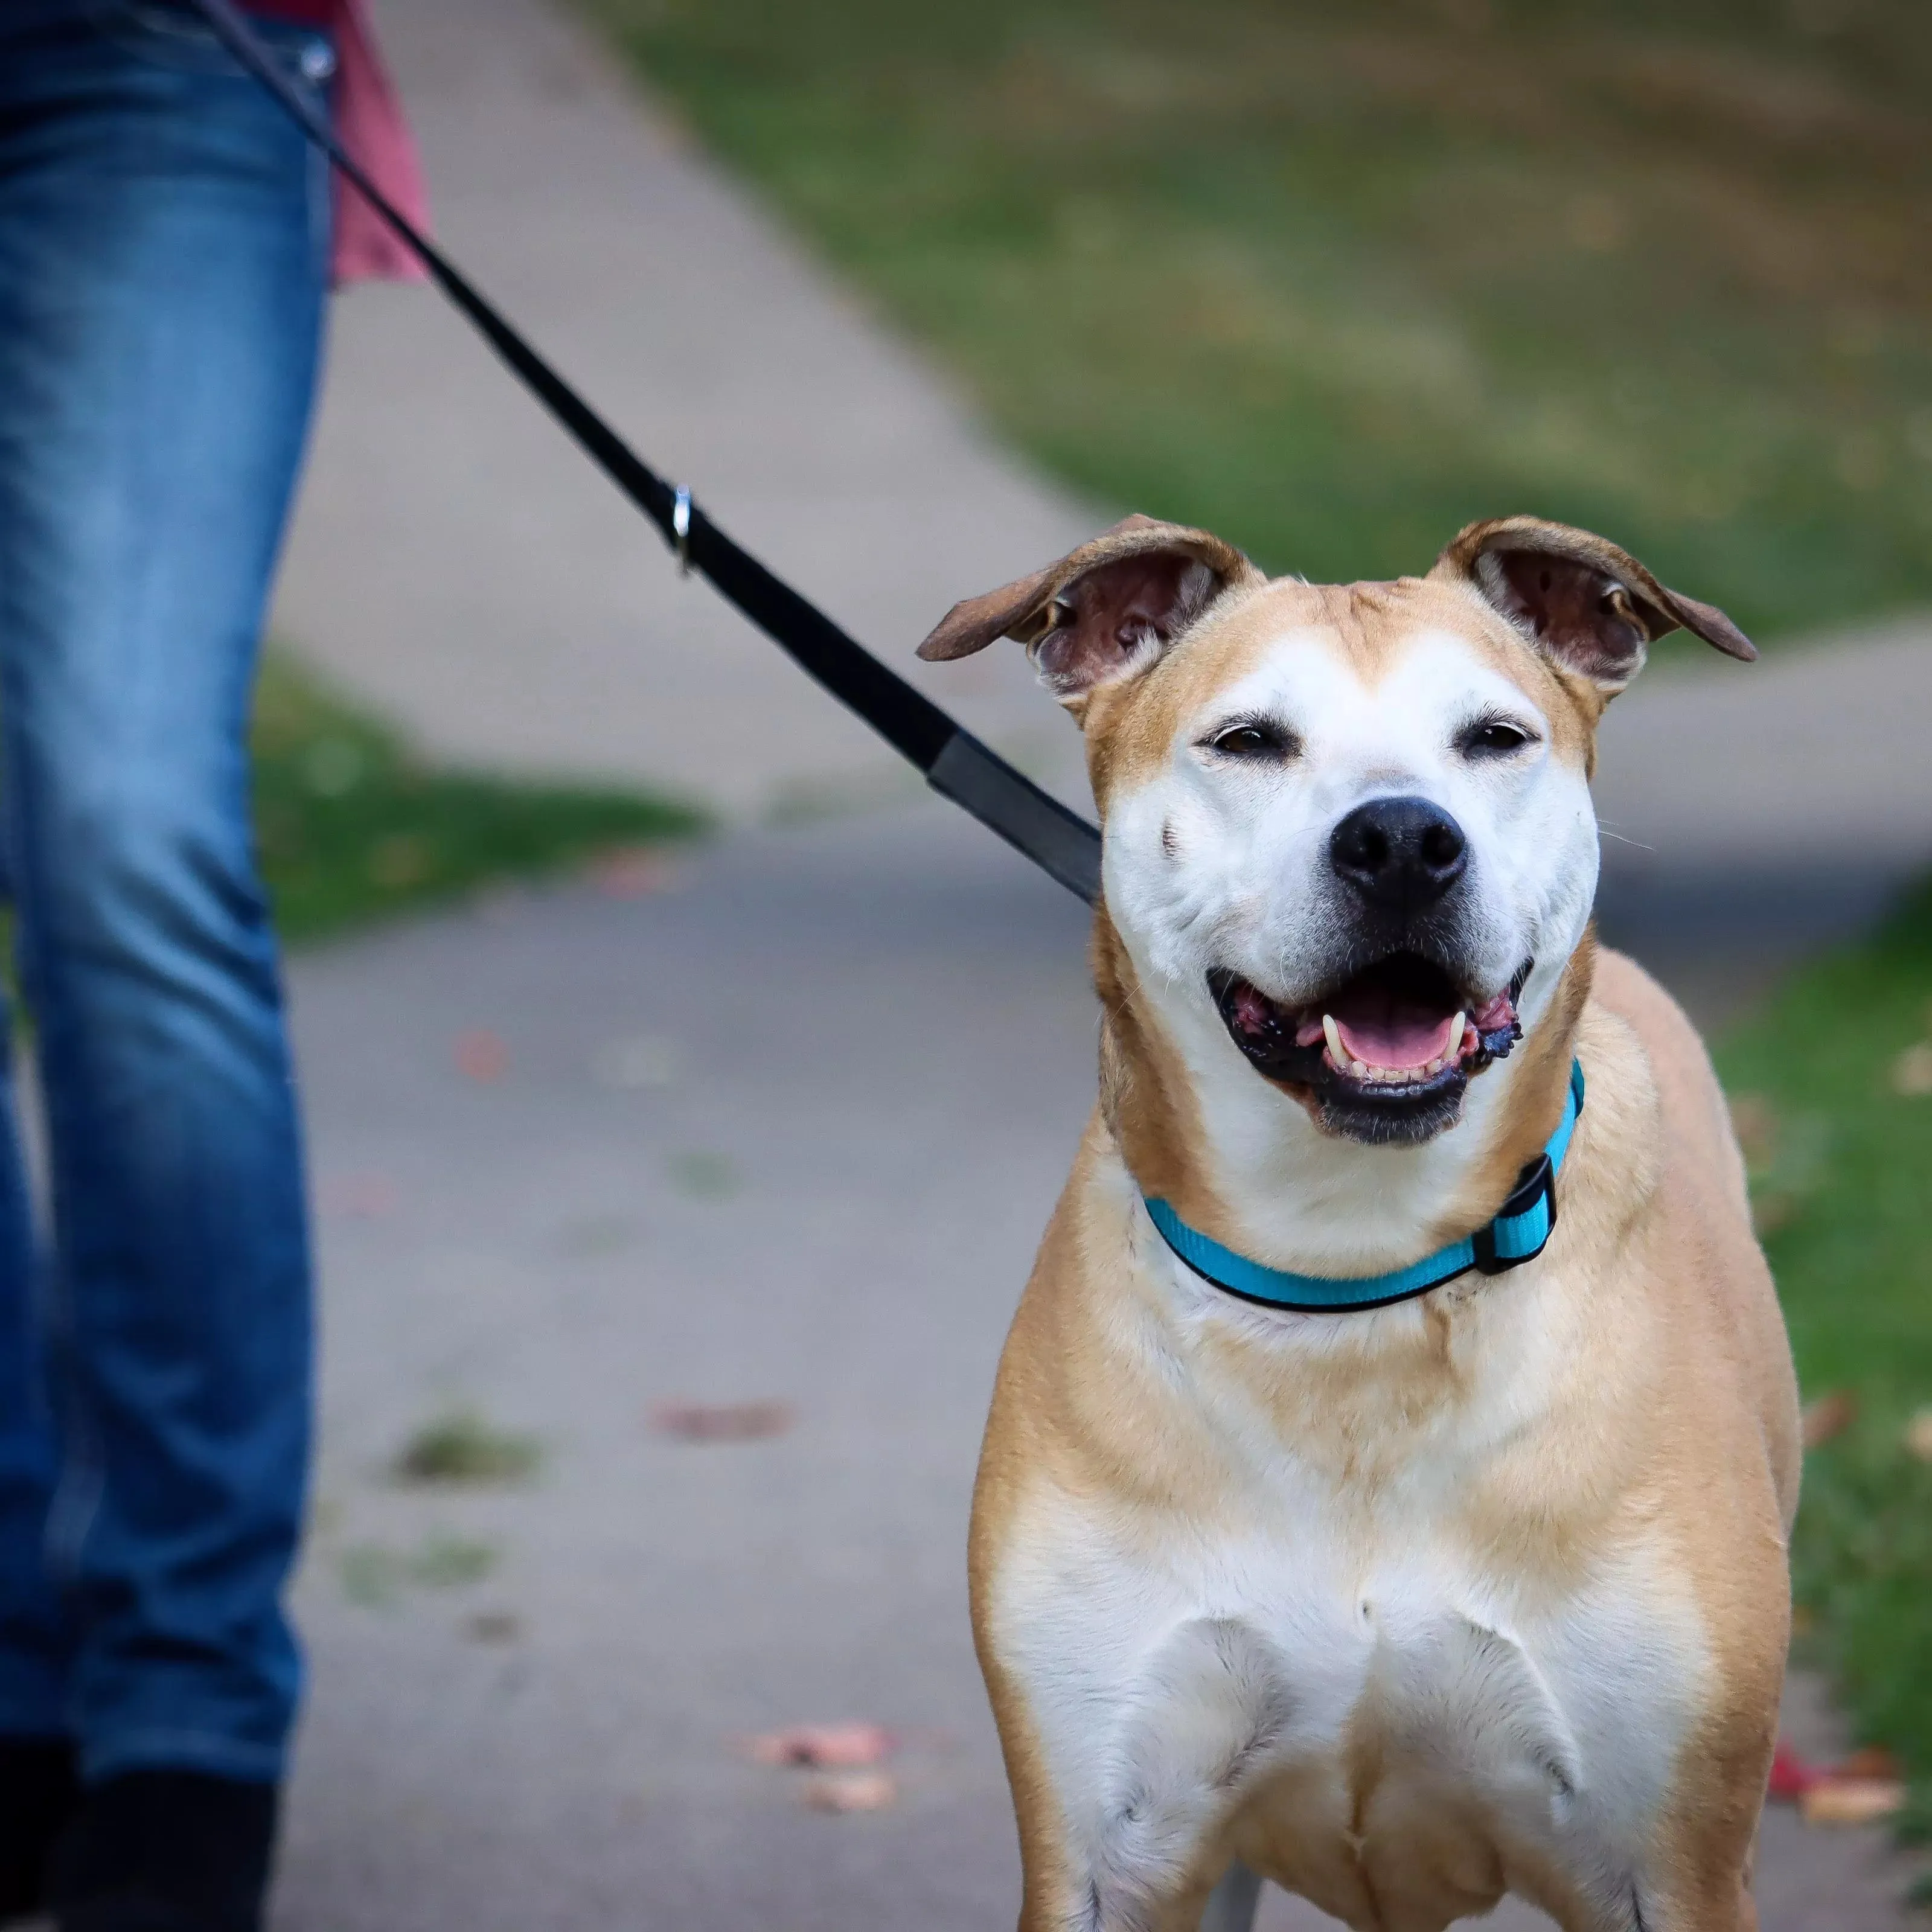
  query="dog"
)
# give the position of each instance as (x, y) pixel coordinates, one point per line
(1405, 1591)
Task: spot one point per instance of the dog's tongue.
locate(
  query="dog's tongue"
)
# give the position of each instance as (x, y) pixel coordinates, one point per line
(1381, 1028)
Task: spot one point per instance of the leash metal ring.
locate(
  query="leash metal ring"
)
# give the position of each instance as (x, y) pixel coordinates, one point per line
(680, 529)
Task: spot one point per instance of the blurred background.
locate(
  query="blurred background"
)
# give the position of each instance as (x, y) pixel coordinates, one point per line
(688, 1092)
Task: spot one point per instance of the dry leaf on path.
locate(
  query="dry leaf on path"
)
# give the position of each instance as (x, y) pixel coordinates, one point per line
(721, 1421)
(481, 1055)
(357, 1197)
(1828, 1416)
(631, 873)
(840, 1747)
(1851, 1801)
(1791, 1775)
(1918, 1435)
(851, 1791)
(1865, 1773)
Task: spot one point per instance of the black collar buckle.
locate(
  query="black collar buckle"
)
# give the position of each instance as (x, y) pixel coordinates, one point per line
(1537, 1182)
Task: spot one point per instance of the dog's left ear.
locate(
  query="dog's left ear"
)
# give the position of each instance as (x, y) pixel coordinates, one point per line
(1589, 606)
(1104, 611)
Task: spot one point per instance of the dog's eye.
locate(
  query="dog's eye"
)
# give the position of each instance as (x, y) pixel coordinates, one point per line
(1493, 738)
(1252, 738)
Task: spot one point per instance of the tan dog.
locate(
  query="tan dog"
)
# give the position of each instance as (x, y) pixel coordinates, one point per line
(1481, 1590)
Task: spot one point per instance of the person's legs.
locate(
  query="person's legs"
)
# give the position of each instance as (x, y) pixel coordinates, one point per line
(163, 233)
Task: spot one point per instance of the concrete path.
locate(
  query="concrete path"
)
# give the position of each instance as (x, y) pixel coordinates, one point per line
(789, 1130)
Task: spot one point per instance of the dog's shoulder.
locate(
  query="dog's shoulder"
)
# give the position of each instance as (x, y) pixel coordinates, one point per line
(1694, 1120)
(1701, 1262)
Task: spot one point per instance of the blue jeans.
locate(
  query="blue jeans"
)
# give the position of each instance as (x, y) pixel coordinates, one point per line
(162, 237)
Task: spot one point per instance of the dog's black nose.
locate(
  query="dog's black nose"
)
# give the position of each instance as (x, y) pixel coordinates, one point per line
(1401, 853)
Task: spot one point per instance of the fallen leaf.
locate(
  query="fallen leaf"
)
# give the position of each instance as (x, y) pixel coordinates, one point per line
(721, 1421)
(851, 1791)
(631, 872)
(1851, 1801)
(1918, 1434)
(459, 1446)
(1828, 1416)
(1911, 1071)
(357, 1197)
(1803, 1623)
(481, 1055)
(1869, 1761)
(840, 1747)
(1791, 1775)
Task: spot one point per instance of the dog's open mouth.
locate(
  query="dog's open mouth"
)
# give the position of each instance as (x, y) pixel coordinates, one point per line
(1398, 1040)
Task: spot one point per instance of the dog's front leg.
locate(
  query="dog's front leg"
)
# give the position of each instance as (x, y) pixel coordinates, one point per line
(1065, 1890)
(1723, 1903)
(1125, 1792)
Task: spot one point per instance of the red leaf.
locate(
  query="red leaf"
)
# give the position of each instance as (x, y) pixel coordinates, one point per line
(631, 872)
(851, 1791)
(840, 1747)
(1791, 1775)
(1829, 1416)
(481, 1055)
(722, 1421)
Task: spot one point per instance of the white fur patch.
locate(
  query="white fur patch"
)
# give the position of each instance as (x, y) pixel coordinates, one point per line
(1250, 897)
(1165, 1688)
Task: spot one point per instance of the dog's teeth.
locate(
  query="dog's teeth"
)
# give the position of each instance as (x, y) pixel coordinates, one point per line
(1434, 1067)
(1451, 1052)
(1359, 1069)
(1332, 1033)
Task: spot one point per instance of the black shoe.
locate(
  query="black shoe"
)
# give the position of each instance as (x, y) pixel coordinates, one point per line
(38, 1794)
(166, 1851)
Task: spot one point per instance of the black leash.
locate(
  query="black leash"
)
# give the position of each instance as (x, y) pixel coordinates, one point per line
(955, 763)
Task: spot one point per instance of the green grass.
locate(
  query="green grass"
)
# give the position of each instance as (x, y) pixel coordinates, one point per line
(1841, 1164)
(1334, 279)
(459, 1446)
(353, 827)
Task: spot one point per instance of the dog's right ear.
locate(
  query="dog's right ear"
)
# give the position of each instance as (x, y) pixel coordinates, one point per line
(1105, 610)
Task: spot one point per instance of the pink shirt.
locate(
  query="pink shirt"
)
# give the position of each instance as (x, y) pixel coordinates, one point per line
(369, 123)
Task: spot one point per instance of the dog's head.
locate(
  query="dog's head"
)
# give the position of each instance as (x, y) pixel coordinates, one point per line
(1348, 828)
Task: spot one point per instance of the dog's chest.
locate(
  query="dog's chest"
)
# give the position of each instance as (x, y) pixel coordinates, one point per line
(1351, 1689)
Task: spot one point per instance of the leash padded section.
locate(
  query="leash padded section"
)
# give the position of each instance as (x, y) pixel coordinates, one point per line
(1059, 841)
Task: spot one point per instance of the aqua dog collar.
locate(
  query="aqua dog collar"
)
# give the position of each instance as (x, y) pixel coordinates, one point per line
(1518, 1233)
